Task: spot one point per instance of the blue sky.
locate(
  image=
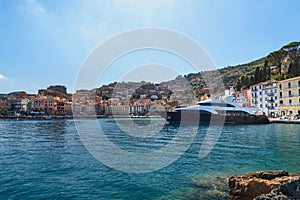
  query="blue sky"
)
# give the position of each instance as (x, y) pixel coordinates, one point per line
(44, 42)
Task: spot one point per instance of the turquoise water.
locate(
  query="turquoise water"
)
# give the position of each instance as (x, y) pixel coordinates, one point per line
(47, 160)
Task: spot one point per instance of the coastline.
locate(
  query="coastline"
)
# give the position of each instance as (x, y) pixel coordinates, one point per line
(264, 185)
(57, 117)
(284, 121)
(46, 117)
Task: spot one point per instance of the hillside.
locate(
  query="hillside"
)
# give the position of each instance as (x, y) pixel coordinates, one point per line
(277, 65)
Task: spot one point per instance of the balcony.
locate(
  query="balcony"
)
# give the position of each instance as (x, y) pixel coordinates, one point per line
(289, 104)
(270, 94)
(288, 96)
(290, 87)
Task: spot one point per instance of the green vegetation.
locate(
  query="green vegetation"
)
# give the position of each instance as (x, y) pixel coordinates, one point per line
(278, 65)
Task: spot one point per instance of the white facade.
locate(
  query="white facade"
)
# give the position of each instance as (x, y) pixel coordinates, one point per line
(265, 97)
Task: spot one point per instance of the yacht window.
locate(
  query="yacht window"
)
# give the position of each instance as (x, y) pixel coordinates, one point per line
(216, 104)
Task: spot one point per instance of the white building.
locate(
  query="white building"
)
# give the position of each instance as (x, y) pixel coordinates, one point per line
(264, 96)
(117, 110)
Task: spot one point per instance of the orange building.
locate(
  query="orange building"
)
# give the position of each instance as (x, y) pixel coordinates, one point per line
(45, 104)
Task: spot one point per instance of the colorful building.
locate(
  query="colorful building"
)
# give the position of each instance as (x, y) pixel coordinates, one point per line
(243, 97)
(289, 96)
(264, 95)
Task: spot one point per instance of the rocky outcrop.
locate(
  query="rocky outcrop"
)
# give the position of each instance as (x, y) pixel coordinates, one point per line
(287, 191)
(254, 184)
(268, 175)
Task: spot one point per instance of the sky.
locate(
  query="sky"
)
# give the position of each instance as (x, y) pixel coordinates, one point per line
(46, 42)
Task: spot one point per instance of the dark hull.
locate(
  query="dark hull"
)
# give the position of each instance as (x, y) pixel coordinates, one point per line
(203, 117)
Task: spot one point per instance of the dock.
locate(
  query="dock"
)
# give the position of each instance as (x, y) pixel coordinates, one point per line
(284, 121)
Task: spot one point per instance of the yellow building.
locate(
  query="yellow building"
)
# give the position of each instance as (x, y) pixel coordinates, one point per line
(289, 96)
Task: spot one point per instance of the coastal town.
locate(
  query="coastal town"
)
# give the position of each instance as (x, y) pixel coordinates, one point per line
(142, 99)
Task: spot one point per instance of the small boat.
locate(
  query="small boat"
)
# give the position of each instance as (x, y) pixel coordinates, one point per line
(47, 117)
(219, 110)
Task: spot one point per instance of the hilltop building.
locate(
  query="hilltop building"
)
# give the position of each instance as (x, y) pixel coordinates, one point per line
(58, 88)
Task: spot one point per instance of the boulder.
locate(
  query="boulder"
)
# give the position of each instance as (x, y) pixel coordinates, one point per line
(253, 184)
(268, 175)
(286, 191)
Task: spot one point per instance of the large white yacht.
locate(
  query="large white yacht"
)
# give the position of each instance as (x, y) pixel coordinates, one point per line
(217, 110)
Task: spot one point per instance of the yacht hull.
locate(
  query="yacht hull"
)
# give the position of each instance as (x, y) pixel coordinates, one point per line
(204, 117)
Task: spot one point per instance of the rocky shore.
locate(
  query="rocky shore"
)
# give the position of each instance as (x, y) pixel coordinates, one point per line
(267, 185)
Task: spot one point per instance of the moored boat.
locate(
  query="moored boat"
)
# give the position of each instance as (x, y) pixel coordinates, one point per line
(217, 111)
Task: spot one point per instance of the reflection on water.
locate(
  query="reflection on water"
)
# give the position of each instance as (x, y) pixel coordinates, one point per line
(46, 159)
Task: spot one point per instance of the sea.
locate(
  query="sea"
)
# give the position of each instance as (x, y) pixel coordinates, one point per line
(136, 158)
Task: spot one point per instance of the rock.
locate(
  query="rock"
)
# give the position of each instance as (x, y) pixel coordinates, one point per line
(268, 175)
(291, 189)
(287, 191)
(256, 183)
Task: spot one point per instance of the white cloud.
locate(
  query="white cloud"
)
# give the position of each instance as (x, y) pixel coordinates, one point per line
(34, 6)
(2, 76)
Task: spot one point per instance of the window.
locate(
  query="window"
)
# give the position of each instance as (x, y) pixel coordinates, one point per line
(290, 93)
(275, 104)
(290, 101)
(280, 94)
(281, 102)
(289, 85)
(275, 90)
(216, 104)
(280, 86)
(260, 106)
(298, 83)
(299, 92)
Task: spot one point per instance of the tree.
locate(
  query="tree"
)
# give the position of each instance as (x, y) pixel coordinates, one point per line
(276, 58)
(252, 80)
(247, 82)
(238, 85)
(294, 70)
(257, 75)
(242, 80)
(269, 72)
(264, 72)
(292, 50)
